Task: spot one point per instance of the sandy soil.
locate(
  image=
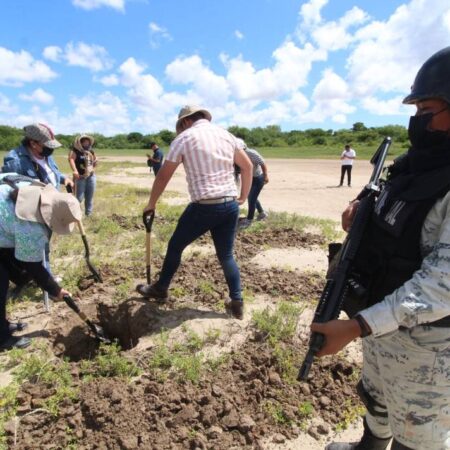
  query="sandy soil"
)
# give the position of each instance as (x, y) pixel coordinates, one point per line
(305, 187)
(302, 186)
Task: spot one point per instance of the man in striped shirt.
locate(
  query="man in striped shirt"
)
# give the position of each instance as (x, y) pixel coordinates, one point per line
(208, 153)
(260, 178)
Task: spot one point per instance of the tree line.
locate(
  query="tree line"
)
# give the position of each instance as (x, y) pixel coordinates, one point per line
(269, 136)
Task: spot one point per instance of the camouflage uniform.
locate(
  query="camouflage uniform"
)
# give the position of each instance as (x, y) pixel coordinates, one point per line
(407, 364)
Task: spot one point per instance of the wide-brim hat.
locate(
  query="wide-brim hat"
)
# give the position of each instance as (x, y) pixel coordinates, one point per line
(77, 143)
(188, 110)
(59, 211)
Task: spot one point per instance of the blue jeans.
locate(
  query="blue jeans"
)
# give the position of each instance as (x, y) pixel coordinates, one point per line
(85, 188)
(253, 202)
(196, 220)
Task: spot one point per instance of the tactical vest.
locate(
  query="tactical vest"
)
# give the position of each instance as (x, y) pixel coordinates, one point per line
(390, 250)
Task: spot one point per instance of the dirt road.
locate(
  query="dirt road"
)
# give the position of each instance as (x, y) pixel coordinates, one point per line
(302, 186)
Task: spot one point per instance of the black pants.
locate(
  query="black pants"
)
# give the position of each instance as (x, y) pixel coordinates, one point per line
(348, 169)
(7, 272)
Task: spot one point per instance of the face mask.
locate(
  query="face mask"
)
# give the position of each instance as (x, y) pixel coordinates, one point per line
(86, 147)
(420, 136)
(46, 151)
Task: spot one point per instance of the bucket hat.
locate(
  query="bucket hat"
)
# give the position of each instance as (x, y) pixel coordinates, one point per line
(59, 211)
(188, 110)
(41, 133)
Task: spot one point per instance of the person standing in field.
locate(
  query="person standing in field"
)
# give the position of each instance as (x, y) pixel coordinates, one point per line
(155, 161)
(403, 315)
(347, 158)
(260, 178)
(207, 153)
(83, 161)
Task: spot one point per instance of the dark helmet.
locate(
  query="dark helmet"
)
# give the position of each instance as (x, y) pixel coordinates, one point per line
(433, 79)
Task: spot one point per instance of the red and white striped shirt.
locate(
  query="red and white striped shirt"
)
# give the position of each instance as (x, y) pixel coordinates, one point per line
(207, 153)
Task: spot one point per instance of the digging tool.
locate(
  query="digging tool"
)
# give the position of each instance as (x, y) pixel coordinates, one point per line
(94, 271)
(148, 217)
(96, 330)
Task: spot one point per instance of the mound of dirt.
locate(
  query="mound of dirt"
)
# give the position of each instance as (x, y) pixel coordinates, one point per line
(238, 406)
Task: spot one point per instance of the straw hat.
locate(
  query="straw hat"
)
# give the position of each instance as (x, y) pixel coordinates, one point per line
(47, 205)
(77, 142)
(187, 111)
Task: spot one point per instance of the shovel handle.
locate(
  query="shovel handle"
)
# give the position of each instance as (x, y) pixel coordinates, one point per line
(147, 218)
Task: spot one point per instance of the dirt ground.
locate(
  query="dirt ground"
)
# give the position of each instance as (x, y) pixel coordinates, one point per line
(301, 186)
(247, 404)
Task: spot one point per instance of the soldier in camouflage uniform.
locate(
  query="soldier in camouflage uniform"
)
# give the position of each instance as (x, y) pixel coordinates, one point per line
(404, 263)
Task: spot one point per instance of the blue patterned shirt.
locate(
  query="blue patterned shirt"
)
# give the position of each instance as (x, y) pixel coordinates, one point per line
(27, 238)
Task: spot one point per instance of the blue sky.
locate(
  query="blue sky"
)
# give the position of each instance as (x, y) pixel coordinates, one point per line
(115, 66)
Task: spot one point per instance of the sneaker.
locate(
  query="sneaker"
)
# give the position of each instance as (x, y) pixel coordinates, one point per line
(235, 308)
(262, 215)
(58, 278)
(153, 291)
(243, 224)
(17, 326)
(15, 342)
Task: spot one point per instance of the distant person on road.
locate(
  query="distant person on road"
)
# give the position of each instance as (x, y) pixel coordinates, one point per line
(27, 214)
(259, 179)
(155, 161)
(207, 153)
(347, 158)
(82, 160)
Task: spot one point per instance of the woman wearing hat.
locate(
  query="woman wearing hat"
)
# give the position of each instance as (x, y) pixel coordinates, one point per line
(82, 160)
(27, 215)
(33, 158)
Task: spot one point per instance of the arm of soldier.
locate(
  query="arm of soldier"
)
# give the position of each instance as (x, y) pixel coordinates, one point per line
(160, 183)
(246, 167)
(338, 334)
(349, 214)
(425, 297)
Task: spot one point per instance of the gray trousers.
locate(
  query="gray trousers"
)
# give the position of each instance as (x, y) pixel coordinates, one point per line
(408, 373)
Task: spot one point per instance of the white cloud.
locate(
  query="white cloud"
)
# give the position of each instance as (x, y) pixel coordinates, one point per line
(94, 4)
(144, 89)
(388, 54)
(158, 34)
(109, 80)
(385, 107)
(290, 72)
(332, 100)
(206, 84)
(335, 35)
(52, 53)
(92, 57)
(5, 105)
(19, 68)
(39, 96)
(238, 34)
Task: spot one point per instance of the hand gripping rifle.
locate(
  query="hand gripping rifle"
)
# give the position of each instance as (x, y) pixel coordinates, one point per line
(333, 294)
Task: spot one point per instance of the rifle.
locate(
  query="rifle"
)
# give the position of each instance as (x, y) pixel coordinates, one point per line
(334, 292)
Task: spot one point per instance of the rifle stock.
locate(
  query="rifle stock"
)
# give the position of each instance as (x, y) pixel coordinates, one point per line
(333, 294)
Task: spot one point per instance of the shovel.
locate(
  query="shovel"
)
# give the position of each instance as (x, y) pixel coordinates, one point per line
(148, 217)
(95, 329)
(94, 271)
